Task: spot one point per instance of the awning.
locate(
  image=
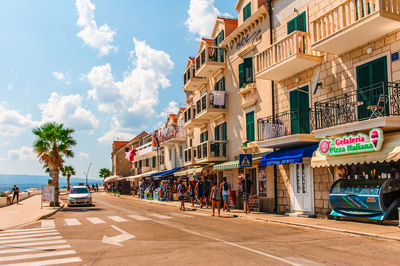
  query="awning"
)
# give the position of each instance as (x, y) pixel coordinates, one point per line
(288, 155)
(233, 164)
(189, 171)
(390, 151)
(164, 173)
(111, 179)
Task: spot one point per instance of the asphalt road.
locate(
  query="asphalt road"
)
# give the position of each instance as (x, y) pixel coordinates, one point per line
(125, 232)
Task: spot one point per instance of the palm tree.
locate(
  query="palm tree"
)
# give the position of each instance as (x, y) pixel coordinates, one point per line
(68, 171)
(104, 172)
(52, 144)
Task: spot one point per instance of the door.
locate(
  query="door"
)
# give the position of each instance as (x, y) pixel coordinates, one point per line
(370, 86)
(299, 111)
(302, 198)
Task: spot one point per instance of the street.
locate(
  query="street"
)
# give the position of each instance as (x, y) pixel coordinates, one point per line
(119, 231)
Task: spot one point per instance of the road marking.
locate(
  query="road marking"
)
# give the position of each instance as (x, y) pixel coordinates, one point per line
(38, 255)
(302, 261)
(46, 230)
(138, 217)
(72, 221)
(115, 240)
(30, 239)
(33, 244)
(180, 215)
(160, 216)
(117, 219)
(27, 249)
(28, 236)
(46, 262)
(95, 220)
(48, 223)
(25, 230)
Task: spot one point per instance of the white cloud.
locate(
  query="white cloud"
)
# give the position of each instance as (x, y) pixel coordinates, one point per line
(12, 123)
(101, 38)
(10, 86)
(22, 153)
(172, 108)
(202, 15)
(133, 98)
(68, 110)
(116, 132)
(83, 155)
(61, 77)
(5, 143)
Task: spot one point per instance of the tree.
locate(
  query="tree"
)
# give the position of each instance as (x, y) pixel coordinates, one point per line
(68, 171)
(104, 172)
(53, 143)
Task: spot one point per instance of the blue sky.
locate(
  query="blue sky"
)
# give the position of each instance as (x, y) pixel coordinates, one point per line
(108, 69)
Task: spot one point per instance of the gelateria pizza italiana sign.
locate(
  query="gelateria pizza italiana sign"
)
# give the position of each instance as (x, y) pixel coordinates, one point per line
(352, 143)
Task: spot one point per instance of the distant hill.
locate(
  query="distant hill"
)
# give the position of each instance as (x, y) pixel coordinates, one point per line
(30, 179)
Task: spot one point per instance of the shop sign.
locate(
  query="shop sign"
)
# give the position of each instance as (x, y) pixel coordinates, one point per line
(352, 143)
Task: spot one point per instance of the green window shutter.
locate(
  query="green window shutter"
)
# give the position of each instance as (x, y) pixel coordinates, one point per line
(154, 162)
(221, 36)
(224, 131)
(247, 11)
(291, 26)
(201, 138)
(215, 41)
(223, 84)
(216, 133)
(216, 86)
(250, 134)
(206, 136)
(241, 75)
(301, 22)
(190, 143)
(248, 70)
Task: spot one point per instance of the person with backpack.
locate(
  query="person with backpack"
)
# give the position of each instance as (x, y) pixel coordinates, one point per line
(225, 187)
(216, 199)
(199, 192)
(182, 192)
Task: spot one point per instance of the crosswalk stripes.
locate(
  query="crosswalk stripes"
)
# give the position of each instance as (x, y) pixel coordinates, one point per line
(72, 221)
(139, 217)
(160, 216)
(95, 220)
(48, 223)
(34, 246)
(117, 219)
(180, 215)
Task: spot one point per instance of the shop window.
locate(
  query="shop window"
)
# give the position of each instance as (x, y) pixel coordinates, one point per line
(250, 131)
(262, 182)
(154, 162)
(247, 11)
(246, 72)
(298, 23)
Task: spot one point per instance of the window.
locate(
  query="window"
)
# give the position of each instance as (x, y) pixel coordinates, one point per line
(126, 149)
(170, 154)
(219, 55)
(246, 72)
(140, 164)
(204, 136)
(180, 151)
(299, 111)
(220, 132)
(250, 134)
(191, 142)
(298, 23)
(154, 162)
(147, 162)
(247, 11)
(220, 85)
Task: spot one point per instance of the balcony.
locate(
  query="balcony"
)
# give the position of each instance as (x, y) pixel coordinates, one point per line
(145, 148)
(209, 61)
(191, 82)
(171, 135)
(206, 109)
(362, 109)
(287, 57)
(190, 120)
(189, 156)
(286, 129)
(211, 151)
(354, 23)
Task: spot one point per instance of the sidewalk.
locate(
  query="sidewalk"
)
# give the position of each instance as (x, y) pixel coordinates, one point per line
(27, 211)
(390, 232)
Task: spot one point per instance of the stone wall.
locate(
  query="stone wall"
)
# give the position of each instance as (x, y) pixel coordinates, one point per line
(283, 185)
(323, 180)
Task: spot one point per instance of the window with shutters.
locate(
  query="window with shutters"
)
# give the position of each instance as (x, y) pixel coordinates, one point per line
(298, 23)
(219, 53)
(191, 142)
(250, 131)
(246, 72)
(247, 11)
(220, 85)
(140, 164)
(147, 162)
(204, 136)
(153, 162)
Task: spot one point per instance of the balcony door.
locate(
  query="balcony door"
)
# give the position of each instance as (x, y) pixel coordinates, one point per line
(370, 86)
(299, 111)
(301, 182)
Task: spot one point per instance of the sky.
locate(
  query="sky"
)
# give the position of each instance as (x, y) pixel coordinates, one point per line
(108, 69)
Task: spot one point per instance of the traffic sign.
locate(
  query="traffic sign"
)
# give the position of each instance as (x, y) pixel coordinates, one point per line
(245, 160)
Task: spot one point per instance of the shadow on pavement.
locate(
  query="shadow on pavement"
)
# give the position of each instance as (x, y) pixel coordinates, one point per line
(81, 209)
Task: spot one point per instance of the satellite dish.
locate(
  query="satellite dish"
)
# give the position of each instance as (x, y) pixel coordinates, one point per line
(316, 84)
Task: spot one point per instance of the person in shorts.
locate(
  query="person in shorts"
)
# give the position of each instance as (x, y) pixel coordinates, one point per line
(225, 188)
(207, 189)
(216, 199)
(182, 192)
(199, 192)
(191, 192)
(15, 191)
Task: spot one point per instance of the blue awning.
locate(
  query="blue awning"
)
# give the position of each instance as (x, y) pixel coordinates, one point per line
(288, 156)
(163, 173)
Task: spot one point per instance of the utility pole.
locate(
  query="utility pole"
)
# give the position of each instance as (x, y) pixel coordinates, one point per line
(87, 173)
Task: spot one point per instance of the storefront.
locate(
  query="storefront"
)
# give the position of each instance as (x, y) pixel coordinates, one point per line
(362, 167)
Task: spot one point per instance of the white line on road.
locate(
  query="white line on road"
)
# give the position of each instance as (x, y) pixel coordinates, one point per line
(180, 215)
(72, 221)
(27, 249)
(30, 239)
(24, 230)
(160, 216)
(28, 236)
(38, 255)
(138, 217)
(117, 219)
(48, 223)
(33, 244)
(29, 232)
(46, 262)
(95, 220)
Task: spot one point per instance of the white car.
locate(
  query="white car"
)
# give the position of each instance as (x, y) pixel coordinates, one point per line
(79, 195)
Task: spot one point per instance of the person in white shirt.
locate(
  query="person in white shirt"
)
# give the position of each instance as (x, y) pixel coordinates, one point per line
(225, 187)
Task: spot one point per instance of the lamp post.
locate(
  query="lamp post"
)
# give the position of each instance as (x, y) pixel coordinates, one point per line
(87, 173)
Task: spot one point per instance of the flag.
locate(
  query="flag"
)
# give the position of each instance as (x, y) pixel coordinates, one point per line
(155, 140)
(132, 154)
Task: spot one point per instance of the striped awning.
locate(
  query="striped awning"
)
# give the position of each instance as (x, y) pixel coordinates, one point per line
(227, 165)
(189, 171)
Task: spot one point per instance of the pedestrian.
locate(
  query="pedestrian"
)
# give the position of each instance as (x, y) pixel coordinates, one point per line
(182, 191)
(191, 192)
(97, 187)
(15, 191)
(216, 199)
(207, 188)
(199, 192)
(93, 188)
(247, 191)
(225, 188)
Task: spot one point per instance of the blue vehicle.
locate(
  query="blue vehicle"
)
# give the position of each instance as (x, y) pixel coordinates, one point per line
(375, 199)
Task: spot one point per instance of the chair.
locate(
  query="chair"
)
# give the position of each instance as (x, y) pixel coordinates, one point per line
(378, 110)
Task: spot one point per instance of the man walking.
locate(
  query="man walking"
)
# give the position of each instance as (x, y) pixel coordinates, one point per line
(225, 187)
(207, 189)
(15, 191)
(199, 192)
(182, 191)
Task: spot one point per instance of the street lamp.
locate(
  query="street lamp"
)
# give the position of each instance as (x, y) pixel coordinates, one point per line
(87, 173)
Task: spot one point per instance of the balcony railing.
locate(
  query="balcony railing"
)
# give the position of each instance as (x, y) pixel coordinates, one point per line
(189, 73)
(379, 100)
(212, 56)
(211, 149)
(171, 133)
(206, 103)
(297, 121)
(187, 114)
(189, 155)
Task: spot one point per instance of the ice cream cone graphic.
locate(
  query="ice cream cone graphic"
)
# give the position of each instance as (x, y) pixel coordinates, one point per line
(374, 136)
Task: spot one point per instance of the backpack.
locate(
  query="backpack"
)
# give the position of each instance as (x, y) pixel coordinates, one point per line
(183, 189)
(226, 186)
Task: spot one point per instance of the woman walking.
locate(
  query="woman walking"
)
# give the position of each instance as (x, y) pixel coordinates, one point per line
(225, 187)
(216, 199)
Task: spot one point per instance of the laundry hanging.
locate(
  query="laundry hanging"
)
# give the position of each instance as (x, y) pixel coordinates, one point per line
(219, 97)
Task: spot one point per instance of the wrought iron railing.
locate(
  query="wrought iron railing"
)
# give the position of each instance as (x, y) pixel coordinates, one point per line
(292, 122)
(379, 100)
(172, 132)
(207, 102)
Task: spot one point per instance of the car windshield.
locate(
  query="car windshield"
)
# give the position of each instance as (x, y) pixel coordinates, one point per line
(80, 190)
